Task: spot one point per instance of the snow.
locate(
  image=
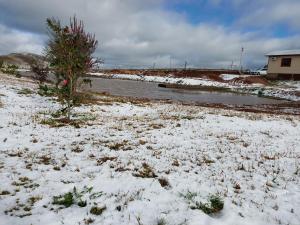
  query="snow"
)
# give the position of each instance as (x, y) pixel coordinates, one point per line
(23, 70)
(215, 149)
(229, 76)
(159, 79)
(290, 84)
(277, 91)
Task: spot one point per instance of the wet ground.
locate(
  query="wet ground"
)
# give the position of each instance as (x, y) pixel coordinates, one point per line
(149, 90)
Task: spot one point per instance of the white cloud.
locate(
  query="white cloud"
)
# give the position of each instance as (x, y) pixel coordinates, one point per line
(16, 41)
(270, 13)
(140, 33)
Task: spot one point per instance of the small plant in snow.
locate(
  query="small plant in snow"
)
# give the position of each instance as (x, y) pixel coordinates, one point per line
(214, 205)
(164, 182)
(25, 91)
(145, 172)
(161, 221)
(66, 200)
(88, 221)
(189, 196)
(96, 210)
(74, 197)
(45, 90)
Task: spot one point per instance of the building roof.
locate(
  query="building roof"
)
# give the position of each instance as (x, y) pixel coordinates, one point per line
(283, 53)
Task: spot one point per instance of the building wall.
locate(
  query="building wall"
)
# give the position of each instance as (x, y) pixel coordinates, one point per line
(274, 67)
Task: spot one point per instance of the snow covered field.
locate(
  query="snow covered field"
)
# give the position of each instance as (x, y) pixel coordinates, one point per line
(284, 90)
(144, 163)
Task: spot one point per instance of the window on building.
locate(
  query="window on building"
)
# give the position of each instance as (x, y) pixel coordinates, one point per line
(286, 62)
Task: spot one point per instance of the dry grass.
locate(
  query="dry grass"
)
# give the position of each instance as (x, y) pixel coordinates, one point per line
(145, 172)
(1, 104)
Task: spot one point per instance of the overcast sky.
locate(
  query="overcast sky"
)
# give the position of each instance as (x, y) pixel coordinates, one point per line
(139, 33)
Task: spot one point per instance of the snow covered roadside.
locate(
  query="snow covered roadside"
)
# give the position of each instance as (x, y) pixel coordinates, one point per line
(168, 80)
(250, 160)
(279, 91)
(290, 84)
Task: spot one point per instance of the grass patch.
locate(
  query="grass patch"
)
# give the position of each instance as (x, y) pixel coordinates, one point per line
(25, 182)
(145, 172)
(105, 159)
(95, 210)
(84, 117)
(187, 117)
(52, 123)
(161, 221)
(65, 200)
(164, 182)
(25, 91)
(23, 209)
(213, 205)
(58, 119)
(70, 198)
(45, 90)
(4, 192)
(120, 146)
(156, 126)
(45, 159)
(10, 69)
(61, 122)
(73, 197)
(189, 196)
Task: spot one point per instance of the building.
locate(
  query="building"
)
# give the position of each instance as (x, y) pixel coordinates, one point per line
(284, 65)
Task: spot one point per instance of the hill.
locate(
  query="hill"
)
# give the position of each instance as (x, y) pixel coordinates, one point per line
(22, 60)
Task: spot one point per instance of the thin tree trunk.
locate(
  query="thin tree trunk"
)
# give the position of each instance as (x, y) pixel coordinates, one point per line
(70, 99)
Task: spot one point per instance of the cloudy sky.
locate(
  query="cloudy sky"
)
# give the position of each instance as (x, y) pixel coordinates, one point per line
(143, 33)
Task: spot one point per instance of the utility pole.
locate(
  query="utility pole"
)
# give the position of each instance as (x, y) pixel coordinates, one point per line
(185, 64)
(170, 62)
(231, 66)
(241, 60)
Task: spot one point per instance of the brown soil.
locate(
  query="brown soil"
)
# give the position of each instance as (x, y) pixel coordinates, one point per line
(292, 108)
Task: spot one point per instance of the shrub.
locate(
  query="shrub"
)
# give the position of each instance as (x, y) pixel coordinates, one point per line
(40, 70)
(69, 52)
(45, 90)
(10, 69)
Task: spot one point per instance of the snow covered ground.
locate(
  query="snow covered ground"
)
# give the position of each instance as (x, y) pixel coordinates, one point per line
(290, 84)
(278, 91)
(144, 163)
